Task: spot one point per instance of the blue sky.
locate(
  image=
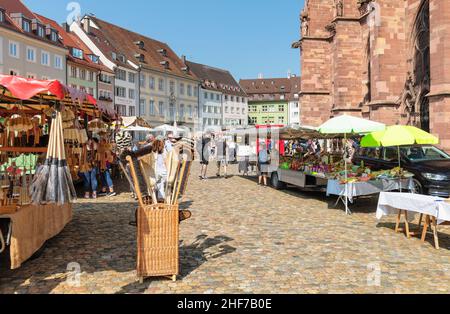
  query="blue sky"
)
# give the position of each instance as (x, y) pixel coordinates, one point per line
(247, 37)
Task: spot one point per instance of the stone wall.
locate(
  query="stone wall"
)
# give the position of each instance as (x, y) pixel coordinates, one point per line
(347, 56)
(359, 63)
(440, 70)
(317, 109)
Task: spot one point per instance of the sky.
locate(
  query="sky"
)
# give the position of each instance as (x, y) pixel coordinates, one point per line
(246, 37)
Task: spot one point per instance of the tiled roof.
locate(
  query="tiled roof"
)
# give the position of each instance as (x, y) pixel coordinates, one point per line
(216, 79)
(272, 88)
(106, 46)
(16, 6)
(296, 86)
(70, 40)
(155, 54)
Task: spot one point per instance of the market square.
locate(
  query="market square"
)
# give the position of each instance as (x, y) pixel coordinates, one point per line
(203, 157)
(299, 245)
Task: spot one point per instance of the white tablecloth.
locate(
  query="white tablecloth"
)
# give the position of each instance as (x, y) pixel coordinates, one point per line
(355, 189)
(391, 203)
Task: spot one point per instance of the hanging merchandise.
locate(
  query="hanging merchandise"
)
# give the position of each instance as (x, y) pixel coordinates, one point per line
(97, 126)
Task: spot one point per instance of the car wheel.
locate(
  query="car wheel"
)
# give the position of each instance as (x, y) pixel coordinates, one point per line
(276, 183)
(418, 188)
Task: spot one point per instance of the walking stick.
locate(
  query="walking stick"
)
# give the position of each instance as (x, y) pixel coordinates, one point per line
(2, 242)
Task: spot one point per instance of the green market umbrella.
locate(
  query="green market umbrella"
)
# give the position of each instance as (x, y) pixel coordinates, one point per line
(345, 125)
(399, 135)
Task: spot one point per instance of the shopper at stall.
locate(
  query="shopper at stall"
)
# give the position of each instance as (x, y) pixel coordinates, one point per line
(263, 164)
(90, 175)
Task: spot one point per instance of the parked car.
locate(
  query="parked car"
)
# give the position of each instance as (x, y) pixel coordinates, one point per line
(429, 164)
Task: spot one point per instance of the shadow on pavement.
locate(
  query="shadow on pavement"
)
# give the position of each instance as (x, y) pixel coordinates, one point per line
(444, 238)
(359, 205)
(192, 256)
(98, 239)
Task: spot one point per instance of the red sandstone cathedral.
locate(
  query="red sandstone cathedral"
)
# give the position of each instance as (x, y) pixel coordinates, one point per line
(385, 60)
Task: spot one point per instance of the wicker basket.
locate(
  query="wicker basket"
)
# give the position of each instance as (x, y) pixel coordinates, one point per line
(158, 241)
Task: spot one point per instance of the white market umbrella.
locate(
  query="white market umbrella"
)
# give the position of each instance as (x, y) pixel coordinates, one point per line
(165, 128)
(348, 125)
(137, 129)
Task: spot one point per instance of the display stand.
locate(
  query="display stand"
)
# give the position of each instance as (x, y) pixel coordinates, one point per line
(157, 234)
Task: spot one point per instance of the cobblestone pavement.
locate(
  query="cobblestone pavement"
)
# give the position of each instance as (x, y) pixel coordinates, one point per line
(242, 239)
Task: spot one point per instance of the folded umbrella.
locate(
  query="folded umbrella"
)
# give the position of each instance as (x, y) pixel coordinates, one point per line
(53, 182)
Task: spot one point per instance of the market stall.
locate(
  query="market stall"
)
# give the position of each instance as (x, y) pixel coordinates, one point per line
(41, 123)
(316, 160)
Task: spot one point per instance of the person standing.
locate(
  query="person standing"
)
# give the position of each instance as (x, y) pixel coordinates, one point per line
(160, 169)
(90, 176)
(204, 152)
(106, 161)
(222, 156)
(263, 164)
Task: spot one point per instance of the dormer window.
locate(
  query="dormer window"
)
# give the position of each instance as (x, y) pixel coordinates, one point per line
(163, 52)
(140, 57)
(121, 58)
(165, 64)
(140, 44)
(77, 53)
(2, 15)
(94, 58)
(54, 36)
(26, 25)
(40, 31)
(114, 56)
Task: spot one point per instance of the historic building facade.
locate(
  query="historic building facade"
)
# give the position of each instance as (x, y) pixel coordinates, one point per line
(223, 103)
(29, 47)
(270, 100)
(384, 60)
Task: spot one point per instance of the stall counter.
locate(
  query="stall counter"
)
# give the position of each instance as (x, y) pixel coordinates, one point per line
(32, 226)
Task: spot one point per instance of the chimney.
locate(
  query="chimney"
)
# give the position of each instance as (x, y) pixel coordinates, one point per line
(260, 76)
(183, 58)
(289, 74)
(87, 25)
(66, 27)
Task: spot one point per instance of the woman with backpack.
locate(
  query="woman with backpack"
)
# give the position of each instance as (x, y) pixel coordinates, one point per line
(263, 164)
